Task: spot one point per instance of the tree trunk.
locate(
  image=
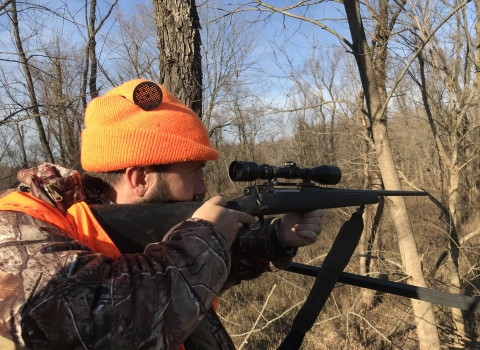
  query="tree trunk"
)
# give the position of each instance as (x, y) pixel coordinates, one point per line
(475, 196)
(450, 161)
(31, 90)
(454, 251)
(372, 213)
(178, 40)
(368, 261)
(91, 60)
(21, 137)
(423, 312)
(91, 46)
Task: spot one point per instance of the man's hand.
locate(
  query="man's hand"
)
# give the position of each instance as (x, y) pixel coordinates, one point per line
(225, 220)
(298, 230)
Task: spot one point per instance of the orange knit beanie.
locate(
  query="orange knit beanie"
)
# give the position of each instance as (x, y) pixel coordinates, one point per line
(141, 123)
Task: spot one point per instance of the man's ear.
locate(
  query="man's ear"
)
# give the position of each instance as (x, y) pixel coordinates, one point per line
(138, 180)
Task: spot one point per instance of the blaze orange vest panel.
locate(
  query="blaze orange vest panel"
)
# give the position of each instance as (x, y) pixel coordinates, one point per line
(91, 232)
(79, 222)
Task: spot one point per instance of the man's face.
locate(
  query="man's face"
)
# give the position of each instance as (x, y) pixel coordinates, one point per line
(180, 183)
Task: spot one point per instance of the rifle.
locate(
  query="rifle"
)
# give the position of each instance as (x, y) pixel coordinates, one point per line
(133, 226)
(153, 220)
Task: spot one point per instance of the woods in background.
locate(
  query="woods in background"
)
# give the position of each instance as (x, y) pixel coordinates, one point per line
(391, 98)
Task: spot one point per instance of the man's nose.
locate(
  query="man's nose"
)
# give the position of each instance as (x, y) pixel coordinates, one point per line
(200, 188)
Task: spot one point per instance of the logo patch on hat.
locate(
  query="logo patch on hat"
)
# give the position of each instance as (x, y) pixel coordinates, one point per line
(147, 95)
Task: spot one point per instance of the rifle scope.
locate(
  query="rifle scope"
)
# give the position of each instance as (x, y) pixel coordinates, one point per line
(251, 171)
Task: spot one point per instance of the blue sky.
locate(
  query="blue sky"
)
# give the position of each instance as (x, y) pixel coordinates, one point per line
(275, 30)
(273, 33)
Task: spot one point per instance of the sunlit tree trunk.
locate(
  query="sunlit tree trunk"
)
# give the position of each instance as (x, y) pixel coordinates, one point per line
(475, 166)
(423, 312)
(452, 261)
(451, 125)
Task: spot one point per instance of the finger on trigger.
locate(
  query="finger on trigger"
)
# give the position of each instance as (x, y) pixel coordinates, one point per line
(245, 218)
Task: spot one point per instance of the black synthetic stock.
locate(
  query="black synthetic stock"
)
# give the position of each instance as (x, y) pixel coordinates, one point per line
(133, 226)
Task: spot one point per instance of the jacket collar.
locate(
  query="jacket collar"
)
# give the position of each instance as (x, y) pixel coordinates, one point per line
(54, 184)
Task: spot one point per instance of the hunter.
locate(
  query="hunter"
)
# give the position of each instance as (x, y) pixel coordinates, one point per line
(63, 282)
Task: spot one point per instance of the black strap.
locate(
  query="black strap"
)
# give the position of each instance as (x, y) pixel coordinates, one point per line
(337, 259)
(459, 301)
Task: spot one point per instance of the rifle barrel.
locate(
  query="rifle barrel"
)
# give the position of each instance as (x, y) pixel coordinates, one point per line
(401, 193)
(376, 192)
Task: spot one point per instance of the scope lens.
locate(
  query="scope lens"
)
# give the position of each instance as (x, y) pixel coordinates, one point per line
(243, 171)
(326, 174)
(236, 171)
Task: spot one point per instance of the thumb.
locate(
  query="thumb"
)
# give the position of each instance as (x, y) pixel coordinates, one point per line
(218, 200)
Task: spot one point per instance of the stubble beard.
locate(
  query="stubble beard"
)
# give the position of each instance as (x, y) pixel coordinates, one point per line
(160, 193)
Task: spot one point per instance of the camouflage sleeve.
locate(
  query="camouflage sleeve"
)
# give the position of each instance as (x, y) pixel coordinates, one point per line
(56, 294)
(258, 250)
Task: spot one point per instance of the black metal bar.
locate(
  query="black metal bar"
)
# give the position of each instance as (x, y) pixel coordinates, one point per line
(458, 301)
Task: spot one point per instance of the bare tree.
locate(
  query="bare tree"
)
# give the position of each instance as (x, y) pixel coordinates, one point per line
(376, 104)
(24, 60)
(90, 72)
(426, 324)
(227, 46)
(448, 92)
(135, 46)
(58, 81)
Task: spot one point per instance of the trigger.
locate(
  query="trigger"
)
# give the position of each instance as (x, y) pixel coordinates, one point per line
(252, 227)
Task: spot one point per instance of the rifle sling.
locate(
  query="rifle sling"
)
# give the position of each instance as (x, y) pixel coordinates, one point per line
(337, 259)
(459, 301)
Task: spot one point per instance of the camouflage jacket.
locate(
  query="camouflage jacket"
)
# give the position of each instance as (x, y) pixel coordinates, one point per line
(56, 293)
